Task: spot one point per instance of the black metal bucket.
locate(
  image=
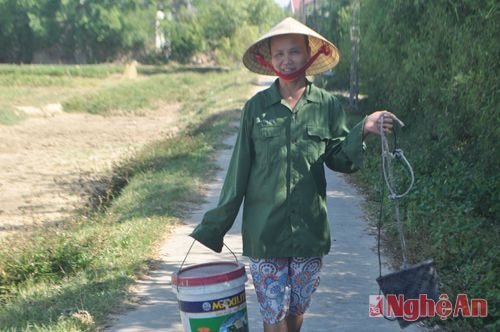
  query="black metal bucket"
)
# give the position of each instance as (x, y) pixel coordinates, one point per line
(411, 283)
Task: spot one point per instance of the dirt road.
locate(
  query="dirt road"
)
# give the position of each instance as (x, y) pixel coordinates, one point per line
(46, 162)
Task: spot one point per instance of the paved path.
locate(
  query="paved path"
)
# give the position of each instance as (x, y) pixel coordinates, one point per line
(348, 276)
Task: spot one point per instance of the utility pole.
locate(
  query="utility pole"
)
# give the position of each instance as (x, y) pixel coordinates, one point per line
(355, 38)
(315, 17)
(302, 12)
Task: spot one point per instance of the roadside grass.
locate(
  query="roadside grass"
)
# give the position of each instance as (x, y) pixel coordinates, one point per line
(71, 277)
(25, 72)
(131, 95)
(39, 85)
(95, 89)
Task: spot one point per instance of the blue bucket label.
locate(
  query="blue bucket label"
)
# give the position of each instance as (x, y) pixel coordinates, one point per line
(213, 305)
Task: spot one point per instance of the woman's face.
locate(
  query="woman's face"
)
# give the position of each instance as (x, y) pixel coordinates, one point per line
(289, 53)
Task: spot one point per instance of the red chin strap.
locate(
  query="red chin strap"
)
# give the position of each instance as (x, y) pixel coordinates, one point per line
(324, 49)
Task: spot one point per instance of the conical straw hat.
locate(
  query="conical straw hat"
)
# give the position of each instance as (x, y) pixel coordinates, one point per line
(291, 26)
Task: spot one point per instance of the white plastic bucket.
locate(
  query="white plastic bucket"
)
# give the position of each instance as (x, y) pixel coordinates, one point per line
(212, 297)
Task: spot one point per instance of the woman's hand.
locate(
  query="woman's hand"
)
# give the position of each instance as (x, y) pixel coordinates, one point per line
(372, 123)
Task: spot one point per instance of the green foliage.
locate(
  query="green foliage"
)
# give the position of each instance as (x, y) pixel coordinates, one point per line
(435, 64)
(16, 36)
(223, 29)
(332, 20)
(231, 49)
(73, 31)
(91, 31)
(263, 14)
(186, 36)
(220, 19)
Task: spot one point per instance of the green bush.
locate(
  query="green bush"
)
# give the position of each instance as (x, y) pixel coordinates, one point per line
(435, 64)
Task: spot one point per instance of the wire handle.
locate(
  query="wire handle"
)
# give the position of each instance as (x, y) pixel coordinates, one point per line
(189, 250)
(191, 247)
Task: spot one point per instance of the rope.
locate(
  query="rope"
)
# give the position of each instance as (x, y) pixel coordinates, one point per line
(388, 181)
(387, 158)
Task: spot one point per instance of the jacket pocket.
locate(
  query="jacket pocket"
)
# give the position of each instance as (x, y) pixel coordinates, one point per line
(270, 131)
(267, 142)
(317, 137)
(319, 133)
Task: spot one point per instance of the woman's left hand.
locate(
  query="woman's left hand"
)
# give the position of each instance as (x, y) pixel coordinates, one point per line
(372, 122)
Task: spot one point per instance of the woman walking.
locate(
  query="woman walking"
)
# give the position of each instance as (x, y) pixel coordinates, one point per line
(287, 133)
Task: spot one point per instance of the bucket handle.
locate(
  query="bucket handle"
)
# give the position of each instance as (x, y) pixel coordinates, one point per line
(192, 244)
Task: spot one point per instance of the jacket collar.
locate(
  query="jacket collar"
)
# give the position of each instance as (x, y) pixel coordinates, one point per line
(312, 93)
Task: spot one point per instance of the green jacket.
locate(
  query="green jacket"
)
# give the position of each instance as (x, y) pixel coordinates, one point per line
(277, 168)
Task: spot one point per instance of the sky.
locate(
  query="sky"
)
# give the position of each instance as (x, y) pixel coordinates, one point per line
(282, 3)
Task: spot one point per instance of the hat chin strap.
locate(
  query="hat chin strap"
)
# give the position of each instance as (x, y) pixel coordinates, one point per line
(324, 49)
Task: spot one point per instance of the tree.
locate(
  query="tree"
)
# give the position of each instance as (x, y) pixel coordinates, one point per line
(263, 14)
(16, 36)
(220, 19)
(93, 31)
(74, 30)
(186, 35)
(332, 20)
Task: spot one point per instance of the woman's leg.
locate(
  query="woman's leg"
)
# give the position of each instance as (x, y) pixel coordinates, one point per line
(280, 327)
(290, 324)
(283, 312)
(294, 323)
(270, 279)
(304, 280)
